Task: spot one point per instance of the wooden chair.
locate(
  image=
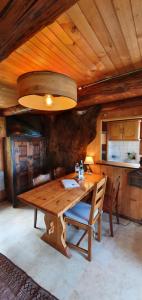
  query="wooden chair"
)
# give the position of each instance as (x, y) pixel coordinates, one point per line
(111, 202)
(40, 179)
(85, 215)
(59, 172)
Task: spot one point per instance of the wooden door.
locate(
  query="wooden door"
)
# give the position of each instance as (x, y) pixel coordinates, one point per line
(131, 130)
(115, 131)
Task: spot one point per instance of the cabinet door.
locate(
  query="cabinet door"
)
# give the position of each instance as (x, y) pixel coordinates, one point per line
(30, 161)
(115, 131)
(131, 130)
(2, 127)
(21, 170)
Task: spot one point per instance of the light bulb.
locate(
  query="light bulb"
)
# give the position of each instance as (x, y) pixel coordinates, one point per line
(48, 100)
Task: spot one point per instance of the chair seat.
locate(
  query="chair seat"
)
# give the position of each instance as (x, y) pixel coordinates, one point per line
(80, 212)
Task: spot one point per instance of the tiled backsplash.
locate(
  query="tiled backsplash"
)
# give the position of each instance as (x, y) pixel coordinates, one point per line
(117, 150)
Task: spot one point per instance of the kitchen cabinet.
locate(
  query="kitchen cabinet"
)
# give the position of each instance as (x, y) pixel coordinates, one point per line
(131, 130)
(115, 131)
(130, 197)
(128, 130)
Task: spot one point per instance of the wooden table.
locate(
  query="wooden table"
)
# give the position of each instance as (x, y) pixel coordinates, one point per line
(53, 199)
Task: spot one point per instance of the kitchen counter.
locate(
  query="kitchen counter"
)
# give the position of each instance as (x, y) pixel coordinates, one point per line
(118, 164)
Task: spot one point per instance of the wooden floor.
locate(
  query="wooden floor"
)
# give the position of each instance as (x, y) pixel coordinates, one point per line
(114, 273)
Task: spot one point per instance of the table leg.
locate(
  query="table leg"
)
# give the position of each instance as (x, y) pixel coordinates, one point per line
(56, 233)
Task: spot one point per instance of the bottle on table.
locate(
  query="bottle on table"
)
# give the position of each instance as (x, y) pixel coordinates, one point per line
(81, 170)
(77, 169)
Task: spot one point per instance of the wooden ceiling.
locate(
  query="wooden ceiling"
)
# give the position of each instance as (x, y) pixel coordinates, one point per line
(92, 40)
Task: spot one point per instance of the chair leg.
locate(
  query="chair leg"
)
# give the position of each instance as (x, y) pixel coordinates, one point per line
(90, 235)
(99, 228)
(35, 217)
(117, 216)
(116, 210)
(111, 223)
(65, 232)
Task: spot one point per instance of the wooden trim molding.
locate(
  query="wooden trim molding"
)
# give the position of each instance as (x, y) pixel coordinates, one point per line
(16, 110)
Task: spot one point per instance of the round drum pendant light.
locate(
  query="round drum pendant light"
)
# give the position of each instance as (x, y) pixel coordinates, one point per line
(46, 90)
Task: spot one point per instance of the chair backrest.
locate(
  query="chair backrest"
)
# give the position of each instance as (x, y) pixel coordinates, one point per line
(42, 178)
(115, 190)
(59, 172)
(97, 198)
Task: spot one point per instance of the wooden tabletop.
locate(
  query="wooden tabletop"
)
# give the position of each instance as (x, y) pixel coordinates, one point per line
(54, 198)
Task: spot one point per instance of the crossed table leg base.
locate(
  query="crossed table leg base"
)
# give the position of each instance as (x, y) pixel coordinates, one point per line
(56, 233)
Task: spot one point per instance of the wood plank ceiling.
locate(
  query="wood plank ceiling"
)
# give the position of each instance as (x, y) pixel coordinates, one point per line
(92, 40)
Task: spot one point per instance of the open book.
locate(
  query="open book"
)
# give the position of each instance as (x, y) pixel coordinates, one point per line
(69, 183)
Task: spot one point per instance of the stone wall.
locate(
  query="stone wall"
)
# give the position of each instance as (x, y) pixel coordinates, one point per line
(68, 134)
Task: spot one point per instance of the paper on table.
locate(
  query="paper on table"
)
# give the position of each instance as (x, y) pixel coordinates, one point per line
(69, 183)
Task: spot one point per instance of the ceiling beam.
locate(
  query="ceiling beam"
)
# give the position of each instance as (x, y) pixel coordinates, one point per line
(20, 20)
(120, 110)
(16, 110)
(117, 88)
(124, 89)
(120, 105)
(111, 107)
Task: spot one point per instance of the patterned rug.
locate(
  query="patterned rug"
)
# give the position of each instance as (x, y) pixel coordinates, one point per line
(16, 284)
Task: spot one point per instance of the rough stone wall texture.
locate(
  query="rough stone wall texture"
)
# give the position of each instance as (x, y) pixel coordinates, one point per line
(69, 134)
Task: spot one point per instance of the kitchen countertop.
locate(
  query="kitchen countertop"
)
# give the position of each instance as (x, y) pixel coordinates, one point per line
(118, 164)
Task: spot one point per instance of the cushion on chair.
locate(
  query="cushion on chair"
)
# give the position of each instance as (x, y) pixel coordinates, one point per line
(59, 172)
(80, 212)
(42, 178)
